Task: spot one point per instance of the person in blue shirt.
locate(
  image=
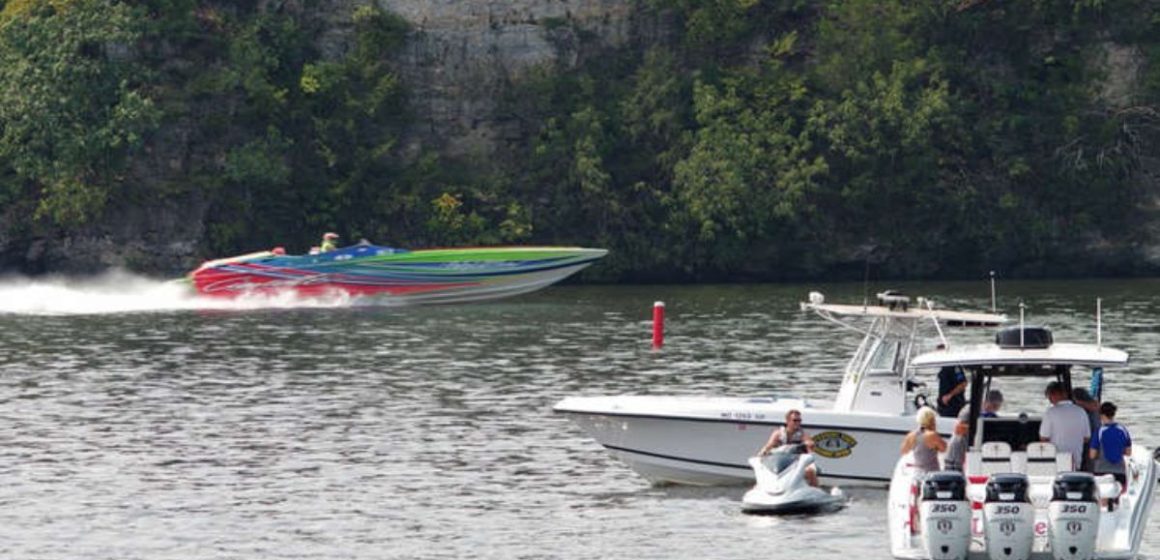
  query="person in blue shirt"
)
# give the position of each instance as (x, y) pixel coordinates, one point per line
(1110, 445)
(991, 404)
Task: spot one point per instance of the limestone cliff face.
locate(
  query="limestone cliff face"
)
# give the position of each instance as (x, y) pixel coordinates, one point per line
(463, 55)
(459, 60)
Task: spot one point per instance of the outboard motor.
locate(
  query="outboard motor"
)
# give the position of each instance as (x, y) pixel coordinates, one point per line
(1073, 516)
(1008, 517)
(946, 516)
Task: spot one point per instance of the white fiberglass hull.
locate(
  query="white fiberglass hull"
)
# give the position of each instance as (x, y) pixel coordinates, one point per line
(800, 500)
(707, 440)
(1118, 538)
(504, 288)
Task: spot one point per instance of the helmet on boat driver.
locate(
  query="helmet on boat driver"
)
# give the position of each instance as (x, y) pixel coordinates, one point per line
(330, 235)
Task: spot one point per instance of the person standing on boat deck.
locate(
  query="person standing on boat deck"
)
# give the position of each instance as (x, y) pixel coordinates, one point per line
(1064, 424)
(957, 448)
(1083, 399)
(1110, 444)
(952, 388)
(925, 441)
(991, 404)
(329, 242)
(791, 433)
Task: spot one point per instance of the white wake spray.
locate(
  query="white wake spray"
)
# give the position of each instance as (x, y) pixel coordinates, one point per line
(123, 292)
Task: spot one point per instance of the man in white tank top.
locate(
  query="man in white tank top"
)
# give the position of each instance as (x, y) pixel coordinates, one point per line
(792, 432)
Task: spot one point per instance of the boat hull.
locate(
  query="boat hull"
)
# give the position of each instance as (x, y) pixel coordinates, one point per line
(802, 501)
(707, 441)
(396, 276)
(1119, 535)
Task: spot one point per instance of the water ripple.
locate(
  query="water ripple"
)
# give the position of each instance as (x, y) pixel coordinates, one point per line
(428, 433)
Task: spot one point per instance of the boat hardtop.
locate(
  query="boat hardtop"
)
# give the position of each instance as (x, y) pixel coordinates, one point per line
(950, 317)
(1057, 354)
(1061, 354)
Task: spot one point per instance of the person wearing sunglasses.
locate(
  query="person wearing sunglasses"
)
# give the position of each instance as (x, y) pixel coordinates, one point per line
(792, 433)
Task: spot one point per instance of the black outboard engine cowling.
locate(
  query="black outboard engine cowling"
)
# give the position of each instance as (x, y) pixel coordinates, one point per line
(944, 485)
(1074, 487)
(946, 516)
(1008, 517)
(1007, 487)
(1073, 516)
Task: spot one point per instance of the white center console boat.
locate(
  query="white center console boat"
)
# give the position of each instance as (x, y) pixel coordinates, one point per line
(707, 440)
(1020, 498)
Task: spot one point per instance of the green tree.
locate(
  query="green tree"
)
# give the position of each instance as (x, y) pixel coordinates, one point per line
(885, 142)
(749, 178)
(73, 104)
(351, 114)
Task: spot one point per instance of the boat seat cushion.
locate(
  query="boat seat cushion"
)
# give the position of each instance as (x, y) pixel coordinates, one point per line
(996, 457)
(1042, 459)
(1040, 450)
(1108, 486)
(996, 449)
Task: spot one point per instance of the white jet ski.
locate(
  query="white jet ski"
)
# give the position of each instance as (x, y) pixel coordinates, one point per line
(782, 487)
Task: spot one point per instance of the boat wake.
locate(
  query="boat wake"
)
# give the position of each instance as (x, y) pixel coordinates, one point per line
(124, 292)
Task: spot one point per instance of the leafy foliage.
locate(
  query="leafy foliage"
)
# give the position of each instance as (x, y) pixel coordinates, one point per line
(746, 139)
(72, 106)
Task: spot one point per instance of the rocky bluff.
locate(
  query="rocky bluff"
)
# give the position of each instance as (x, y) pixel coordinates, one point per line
(459, 60)
(461, 63)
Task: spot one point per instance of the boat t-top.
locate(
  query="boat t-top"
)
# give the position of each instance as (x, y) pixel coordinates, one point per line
(1020, 498)
(704, 440)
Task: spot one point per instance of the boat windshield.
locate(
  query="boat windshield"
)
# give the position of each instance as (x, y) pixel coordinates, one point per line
(885, 357)
(1018, 431)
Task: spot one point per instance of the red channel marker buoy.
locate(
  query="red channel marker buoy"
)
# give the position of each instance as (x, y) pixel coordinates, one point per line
(658, 325)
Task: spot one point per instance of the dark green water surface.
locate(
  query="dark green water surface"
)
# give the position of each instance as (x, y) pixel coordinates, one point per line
(136, 426)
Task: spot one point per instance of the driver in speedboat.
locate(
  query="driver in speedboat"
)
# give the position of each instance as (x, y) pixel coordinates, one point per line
(792, 433)
(329, 242)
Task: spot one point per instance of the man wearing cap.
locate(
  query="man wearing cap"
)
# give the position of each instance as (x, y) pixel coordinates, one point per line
(329, 242)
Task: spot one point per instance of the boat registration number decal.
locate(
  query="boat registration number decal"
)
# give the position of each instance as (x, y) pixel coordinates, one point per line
(743, 415)
(834, 445)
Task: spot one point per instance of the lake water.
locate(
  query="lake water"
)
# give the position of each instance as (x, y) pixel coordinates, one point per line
(135, 423)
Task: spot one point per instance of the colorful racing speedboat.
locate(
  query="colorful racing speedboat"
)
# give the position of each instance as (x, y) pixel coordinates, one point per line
(394, 275)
